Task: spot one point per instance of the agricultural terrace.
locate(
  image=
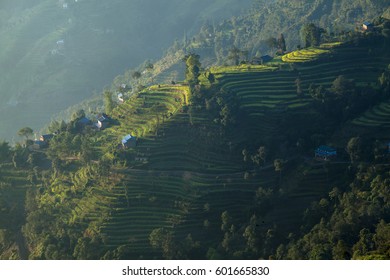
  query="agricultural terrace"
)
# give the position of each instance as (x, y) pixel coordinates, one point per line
(176, 171)
(267, 95)
(309, 54)
(13, 187)
(376, 117)
(242, 68)
(183, 174)
(144, 112)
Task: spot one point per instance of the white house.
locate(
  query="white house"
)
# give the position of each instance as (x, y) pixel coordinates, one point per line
(120, 97)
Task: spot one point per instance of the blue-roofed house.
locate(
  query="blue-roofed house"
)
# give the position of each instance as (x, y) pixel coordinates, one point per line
(129, 141)
(261, 60)
(325, 153)
(266, 58)
(46, 137)
(367, 26)
(38, 144)
(84, 121)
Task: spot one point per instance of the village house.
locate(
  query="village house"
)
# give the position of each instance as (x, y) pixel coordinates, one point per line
(42, 142)
(103, 121)
(120, 97)
(46, 137)
(38, 144)
(129, 141)
(325, 153)
(367, 26)
(84, 122)
(261, 60)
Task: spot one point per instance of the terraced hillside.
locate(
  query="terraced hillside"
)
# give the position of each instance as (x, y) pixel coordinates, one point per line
(184, 173)
(376, 117)
(13, 186)
(166, 197)
(178, 167)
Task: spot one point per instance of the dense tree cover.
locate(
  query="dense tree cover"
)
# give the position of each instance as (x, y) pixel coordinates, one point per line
(311, 35)
(265, 29)
(352, 224)
(193, 66)
(25, 132)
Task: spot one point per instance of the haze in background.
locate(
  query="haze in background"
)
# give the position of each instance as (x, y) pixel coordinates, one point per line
(55, 53)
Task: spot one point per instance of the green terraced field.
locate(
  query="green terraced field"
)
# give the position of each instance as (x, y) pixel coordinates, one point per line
(378, 116)
(304, 55)
(181, 163)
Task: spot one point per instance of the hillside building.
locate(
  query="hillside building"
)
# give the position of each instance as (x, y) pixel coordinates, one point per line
(129, 141)
(120, 98)
(46, 137)
(38, 144)
(103, 121)
(325, 153)
(84, 122)
(367, 26)
(266, 58)
(261, 60)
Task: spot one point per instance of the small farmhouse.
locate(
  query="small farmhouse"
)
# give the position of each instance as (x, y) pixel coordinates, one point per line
(367, 26)
(38, 144)
(261, 60)
(84, 121)
(120, 97)
(325, 153)
(129, 141)
(46, 137)
(265, 59)
(103, 121)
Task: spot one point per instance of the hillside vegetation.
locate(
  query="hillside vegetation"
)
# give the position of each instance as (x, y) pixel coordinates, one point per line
(54, 54)
(252, 33)
(223, 167)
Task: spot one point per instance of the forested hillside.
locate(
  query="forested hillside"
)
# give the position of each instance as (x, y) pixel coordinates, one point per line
(230, 163)
(256, 33)
(56, 53)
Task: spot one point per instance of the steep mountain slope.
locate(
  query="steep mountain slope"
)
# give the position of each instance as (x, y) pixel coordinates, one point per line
(251, 32)
(54, 54)
(198, 184)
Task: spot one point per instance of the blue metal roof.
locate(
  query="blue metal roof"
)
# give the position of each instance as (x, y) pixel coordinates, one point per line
(128, 138)
(84, 120)
(325, 150)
